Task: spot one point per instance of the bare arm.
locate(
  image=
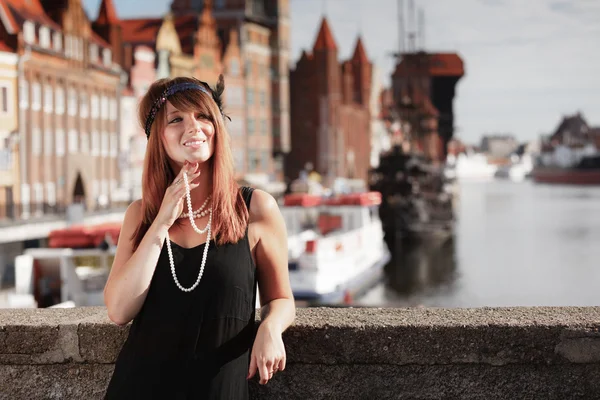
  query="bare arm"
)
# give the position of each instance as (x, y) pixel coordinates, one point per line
(278, 307)
(278, 311)
(131, 272)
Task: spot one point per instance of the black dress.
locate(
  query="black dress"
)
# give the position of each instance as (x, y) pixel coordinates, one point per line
(192, 345)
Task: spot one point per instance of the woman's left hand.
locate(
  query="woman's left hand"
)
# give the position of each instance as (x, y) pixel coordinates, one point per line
(268, 353)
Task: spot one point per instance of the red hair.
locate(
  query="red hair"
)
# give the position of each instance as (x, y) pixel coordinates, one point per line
(230, 221)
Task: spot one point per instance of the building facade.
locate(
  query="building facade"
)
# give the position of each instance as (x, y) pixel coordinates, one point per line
(68, 94)
(330, 111)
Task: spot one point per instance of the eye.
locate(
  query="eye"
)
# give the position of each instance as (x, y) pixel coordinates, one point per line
(203, 117)
(175, 120)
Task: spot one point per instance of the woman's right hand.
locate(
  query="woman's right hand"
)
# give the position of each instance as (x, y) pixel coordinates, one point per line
(174, 198)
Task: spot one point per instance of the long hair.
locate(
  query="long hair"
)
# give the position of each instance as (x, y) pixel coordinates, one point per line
(230, 216)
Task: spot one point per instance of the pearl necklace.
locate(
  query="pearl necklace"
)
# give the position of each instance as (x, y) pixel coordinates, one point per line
(199, 213)
(199, 231)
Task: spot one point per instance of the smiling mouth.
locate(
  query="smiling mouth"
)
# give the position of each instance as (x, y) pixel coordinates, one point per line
(194, 143)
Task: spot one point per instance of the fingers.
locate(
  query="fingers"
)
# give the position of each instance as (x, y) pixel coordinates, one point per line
(265, 373)
(252, 369)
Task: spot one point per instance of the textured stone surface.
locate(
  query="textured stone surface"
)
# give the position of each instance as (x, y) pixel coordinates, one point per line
(362, 353)
(416, 382)
(59, 381)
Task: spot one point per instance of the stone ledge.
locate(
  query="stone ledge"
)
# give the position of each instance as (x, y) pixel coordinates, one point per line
(350, 353)
(340, 336)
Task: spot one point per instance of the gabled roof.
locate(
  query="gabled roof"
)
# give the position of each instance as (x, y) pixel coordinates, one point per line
(360, 55)
(18, 11)
(145, 31)
(325, 40)
(107, 14)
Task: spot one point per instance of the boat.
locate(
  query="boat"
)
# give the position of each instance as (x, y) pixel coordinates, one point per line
(586, 172)
(335, 251)
(342, 249)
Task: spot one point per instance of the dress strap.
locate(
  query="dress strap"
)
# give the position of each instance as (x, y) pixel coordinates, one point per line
(247, 195)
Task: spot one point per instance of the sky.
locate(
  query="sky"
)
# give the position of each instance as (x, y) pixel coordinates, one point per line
(527, 63)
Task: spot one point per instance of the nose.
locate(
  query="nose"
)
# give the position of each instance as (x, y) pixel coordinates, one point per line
(194, 126)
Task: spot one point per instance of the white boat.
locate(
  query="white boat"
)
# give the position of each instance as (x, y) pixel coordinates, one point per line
(471, 167)
(342, 248)
(60, 277)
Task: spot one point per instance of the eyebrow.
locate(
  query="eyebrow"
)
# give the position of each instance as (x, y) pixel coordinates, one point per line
(172, 112)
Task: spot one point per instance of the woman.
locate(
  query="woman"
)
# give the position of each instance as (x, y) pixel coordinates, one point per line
(188, 279)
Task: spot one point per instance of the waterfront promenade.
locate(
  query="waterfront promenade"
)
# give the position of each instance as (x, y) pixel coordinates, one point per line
(345, 353)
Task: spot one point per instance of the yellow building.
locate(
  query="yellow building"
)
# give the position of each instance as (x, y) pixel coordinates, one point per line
(8, 130)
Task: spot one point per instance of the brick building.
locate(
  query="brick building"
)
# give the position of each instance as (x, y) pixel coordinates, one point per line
(67, 107)
(263, 30)
(330, 109)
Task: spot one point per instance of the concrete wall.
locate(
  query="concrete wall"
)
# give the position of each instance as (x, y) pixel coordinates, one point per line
(510, 353)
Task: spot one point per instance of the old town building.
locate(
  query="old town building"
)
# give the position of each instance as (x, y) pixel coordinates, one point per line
(68, 93)
(330, 111)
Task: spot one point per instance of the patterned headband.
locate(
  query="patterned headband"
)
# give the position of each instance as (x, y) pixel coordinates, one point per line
(179, 87)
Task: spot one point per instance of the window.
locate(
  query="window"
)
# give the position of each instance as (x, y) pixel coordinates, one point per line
(262, 97)
(253, 160)
(57, 41)
(73, 145)
(85, 142)
(36, 142)
(95, 143)
(235, 127)
(95, 188)
(238, 159)
(38, 190)
(60, 142)
(250, 96)
(48, 143)
(45, 37)
(25, 197)
(263, 126)
(23, 94)
(95, 106)
(265, 160)
(29, 32)
(104, 187)
(60, 100)
(113, 109)
(4, 99)
(50, 194)
(234, 68)
(107, 57)
(250, 126)
(104, 145)
(83, 105)
(104, 101)
(68, 46)
(36, 94)
(248, 67)
(234, 96)
(47, 98)
(72, 101)
(93, 52)
(114, 145)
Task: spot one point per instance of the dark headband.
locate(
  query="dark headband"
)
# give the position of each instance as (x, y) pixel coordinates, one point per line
(171, 90)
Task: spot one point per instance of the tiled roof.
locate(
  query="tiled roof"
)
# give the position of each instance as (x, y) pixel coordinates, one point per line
(324, 39)
(138, 31)
(17, 11)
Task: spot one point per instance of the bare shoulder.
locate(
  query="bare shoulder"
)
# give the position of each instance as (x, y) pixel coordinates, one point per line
(262, 206)
(133, 212)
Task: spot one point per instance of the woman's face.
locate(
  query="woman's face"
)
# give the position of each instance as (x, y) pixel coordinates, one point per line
(188, 136)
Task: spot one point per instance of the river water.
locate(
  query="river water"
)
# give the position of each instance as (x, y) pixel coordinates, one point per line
(515, 244)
